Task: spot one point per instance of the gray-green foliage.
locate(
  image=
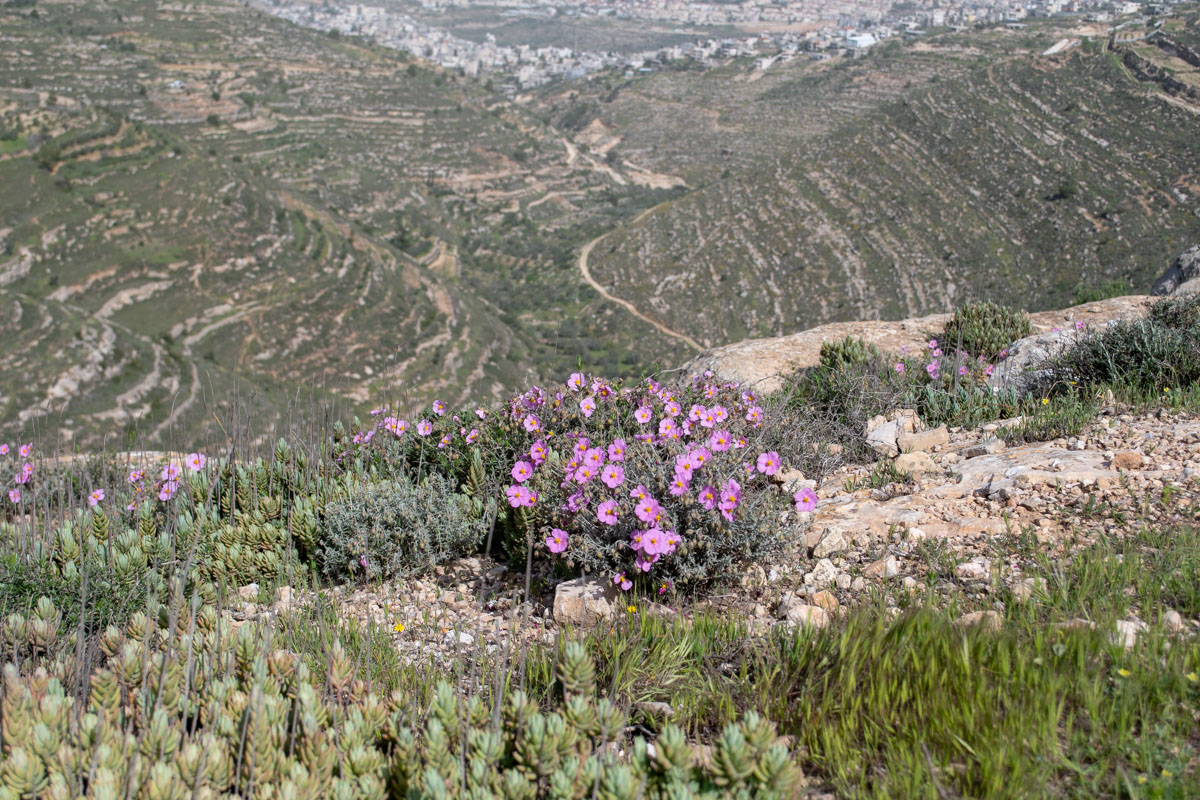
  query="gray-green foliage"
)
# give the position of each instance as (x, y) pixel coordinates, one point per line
(985, 329)
(399, 527)
(194, 710)
(851, 350)
(1159, 351)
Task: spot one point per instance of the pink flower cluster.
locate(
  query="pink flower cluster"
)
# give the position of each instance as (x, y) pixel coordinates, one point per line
(699, 444)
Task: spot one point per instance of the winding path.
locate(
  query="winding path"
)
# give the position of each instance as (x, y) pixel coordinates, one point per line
(587, 276)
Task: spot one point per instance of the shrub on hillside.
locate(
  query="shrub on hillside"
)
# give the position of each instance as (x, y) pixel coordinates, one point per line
(985, 329)
(1160, 351)
(848, 351)
(395, 528)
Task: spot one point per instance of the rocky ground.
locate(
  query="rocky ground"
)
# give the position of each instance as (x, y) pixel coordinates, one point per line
(965, 528)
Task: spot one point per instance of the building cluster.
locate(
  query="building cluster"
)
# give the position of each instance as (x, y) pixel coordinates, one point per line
(794, 29)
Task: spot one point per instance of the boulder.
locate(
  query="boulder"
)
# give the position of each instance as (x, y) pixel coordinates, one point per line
(585, 602)
(1020, 370)
(1182, 277)
(884, 431)
(988, 447)
(987, 620)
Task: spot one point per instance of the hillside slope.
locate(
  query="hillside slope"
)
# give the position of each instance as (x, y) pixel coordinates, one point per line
(1018, 180)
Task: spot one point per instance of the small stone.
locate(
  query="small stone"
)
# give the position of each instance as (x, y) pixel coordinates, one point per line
(824, 573)
(754, 577)
(858, 584)
(976, 570)
(834, 541)
(918, 463)
(1028, 588)
(886, 567)
(655, 708)
(987, 620)
(812, 616)
(1172, 620)
(923, 440)
(909, 583)
(459, 638)
(843, 581)
(1127, 460)
(584, 601)
(985, 448)
(917, 535)
(248, 592)
(1126, 633)
(825, 600)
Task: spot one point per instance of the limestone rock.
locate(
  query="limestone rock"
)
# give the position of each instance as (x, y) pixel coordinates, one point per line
(584, 602)
(987, 620)
(1126, 632)
(1028, 588)
(811, 616)
(977, 569)
(988, 447)
(824, 573)
(918, 463)
(825, 600)
(919, 441)
(1172, 620)
(886, 567)
(1183, 276)
(834, 541)
(1127, 460)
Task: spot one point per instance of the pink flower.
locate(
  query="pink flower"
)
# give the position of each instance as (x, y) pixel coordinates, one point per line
(532, 423)
(749, 398)
(576, 382)
(806, 499)
(424, 427)
(962, 370)
(481, 412)
(167, 490)
(768, 463)
(673, 409)
(644, 564)
(709, 418)
(587, 406)
(616, 450)
(666, 426)
(989, 370)
(624, 583)
(731, 496)
(95, 497)
(3, 449)
(654, 542)
(472, 436)
(593, 457)
(639, 492)
(719, 414)
(537, 452)
(679, 485)
(14, 496)
(575, 503)
(439, 408)
(683, 467)
(1080, 324)
(522, 471)
(608, 512)
(401, 427)
(719, 441)
(698, 456)
(585, 474)
(708, 497)
(933, 344)
(900, 366)
(136, 476)
(25, 474)
(739, 442)
(557, 541)
(937, 353)
(196, 461)
(753, 414)
(613, 475)
(132, 506)
(519, 496)
(26, 450)
(635, 541)
(642, 415)
(697, 412)
(647, 510)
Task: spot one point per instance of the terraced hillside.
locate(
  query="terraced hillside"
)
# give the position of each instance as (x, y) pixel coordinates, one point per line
(1012, 177)
(200, 201)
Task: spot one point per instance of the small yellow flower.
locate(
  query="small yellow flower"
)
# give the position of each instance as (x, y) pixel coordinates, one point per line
(632, 609)
(1193, 677)
(1142, 779)
(1045, 401)
(1124, 673)
(1166, 390)
(398, 628)
(1166, 773)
